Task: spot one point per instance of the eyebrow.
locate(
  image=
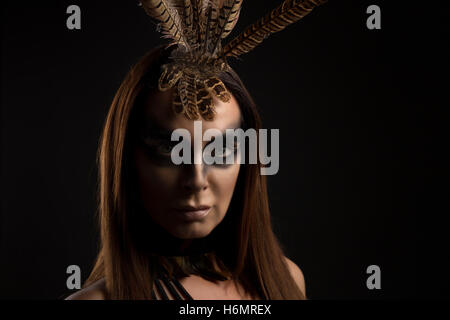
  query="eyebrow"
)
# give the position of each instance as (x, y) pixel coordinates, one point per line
(151, 128)
(234, 126)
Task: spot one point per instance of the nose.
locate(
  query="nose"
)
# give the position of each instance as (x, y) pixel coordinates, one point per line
(195, 178)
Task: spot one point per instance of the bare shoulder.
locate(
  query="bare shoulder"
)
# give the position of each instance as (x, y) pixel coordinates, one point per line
(96, 291)
(297, 274)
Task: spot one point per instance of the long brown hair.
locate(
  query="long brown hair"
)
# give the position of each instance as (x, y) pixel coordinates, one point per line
(253, 256)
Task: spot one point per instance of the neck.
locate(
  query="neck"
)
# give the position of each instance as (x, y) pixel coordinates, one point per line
(185, 245)
(161, 242)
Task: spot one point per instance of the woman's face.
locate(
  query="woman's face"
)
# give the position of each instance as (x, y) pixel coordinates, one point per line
(187, 200)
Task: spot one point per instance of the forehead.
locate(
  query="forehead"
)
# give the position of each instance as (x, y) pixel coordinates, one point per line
(158, 112)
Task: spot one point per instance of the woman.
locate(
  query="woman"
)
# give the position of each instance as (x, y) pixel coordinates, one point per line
(181, 231)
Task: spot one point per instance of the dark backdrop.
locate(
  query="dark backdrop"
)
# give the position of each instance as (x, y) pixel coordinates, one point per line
(359, 112)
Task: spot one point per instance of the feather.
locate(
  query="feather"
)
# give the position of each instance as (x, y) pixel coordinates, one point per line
(196, 27)
(188, 96)
(166, 13)
(169, 77)
(188, 12)
(229, 13)
(207, 24)
(228, 18)
(181, 101)
(217, 88)
(285, 14)
(206, 4)
(177, 104)
(207, 11)
(188, 17)
(210, 25)
(204, 102)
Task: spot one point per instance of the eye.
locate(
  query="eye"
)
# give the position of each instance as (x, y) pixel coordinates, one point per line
(159, 146)
(164, 148)
(226, 151)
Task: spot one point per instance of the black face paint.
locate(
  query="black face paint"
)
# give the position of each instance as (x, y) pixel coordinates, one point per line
(158, 150)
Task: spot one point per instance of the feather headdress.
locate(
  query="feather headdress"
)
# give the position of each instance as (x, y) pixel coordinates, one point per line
(197, 28)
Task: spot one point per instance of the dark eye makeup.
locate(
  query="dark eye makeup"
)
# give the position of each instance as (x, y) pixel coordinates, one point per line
(159, 150)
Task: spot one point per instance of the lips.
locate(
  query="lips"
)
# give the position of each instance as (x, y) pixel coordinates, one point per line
(191, 208)
(192, 213)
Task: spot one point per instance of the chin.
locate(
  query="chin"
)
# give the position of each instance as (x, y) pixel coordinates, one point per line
(191, 232)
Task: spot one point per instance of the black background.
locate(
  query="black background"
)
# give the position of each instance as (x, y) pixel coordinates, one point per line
(360, 113)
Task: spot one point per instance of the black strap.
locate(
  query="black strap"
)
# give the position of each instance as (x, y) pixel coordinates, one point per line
(172, 290)
(161, 291)
(182, 289)
(153, 295)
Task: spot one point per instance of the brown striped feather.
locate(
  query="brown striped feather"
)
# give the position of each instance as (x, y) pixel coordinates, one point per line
(229, 14)
(166, 13)
(204, 102)
(217, 88)
(285, 14)
(169, 77)
(190, 107)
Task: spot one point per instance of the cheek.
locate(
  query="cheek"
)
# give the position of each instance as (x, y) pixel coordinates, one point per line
(222, 184)
(156, 183)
